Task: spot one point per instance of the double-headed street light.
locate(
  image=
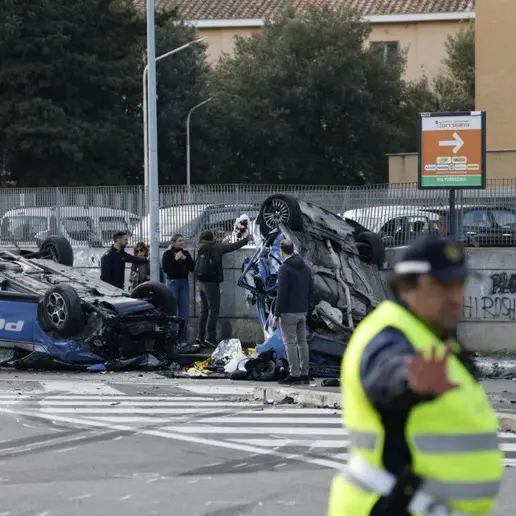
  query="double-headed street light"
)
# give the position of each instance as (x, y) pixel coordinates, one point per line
(145, 118)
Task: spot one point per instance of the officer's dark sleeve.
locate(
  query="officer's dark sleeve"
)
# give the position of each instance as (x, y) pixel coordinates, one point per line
(384, 374)
(105, 269)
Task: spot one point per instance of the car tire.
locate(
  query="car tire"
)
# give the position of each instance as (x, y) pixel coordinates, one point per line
(158, 295)
(280, 209)
(62, 311)
(58, 249)
(371, 248)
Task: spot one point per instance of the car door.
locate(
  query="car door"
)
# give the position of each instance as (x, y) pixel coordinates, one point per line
(504, 220)
(478, 227)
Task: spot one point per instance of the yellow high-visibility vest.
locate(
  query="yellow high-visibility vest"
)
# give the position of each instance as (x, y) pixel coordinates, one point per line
(453, 440)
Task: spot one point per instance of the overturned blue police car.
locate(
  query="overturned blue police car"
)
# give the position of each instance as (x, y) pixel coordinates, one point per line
(55, 316)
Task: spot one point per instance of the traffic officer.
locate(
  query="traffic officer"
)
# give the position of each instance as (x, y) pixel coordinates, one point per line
(423, 437)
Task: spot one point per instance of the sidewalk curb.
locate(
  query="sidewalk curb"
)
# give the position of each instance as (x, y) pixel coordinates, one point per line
(333, 400)
(291, 396)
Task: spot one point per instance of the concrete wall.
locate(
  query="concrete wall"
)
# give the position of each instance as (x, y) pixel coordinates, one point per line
(489, 316)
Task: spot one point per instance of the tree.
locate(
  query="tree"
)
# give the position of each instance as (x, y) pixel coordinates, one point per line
(454, 86)
(306, 101)
(69, 90)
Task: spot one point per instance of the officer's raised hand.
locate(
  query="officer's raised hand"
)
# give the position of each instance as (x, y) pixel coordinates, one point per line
(429, 376)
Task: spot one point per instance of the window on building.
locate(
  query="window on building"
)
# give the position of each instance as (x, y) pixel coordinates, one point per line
(386, 49)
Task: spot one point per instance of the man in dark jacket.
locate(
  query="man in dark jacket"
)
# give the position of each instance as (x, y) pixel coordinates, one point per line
(209, 274)
(292, 305)
(112, 264)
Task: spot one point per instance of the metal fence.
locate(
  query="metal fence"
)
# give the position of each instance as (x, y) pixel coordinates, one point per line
(90, 215)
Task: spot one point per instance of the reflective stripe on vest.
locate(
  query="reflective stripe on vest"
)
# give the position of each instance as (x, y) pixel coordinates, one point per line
(457, 443)
(434, 443)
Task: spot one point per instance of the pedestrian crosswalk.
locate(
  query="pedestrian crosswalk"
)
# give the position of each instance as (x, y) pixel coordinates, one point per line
(289, 430)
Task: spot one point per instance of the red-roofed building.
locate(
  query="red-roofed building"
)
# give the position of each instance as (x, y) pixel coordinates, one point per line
(421, 26)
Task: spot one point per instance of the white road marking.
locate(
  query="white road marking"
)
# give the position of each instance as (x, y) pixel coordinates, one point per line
(66, 399)
(237, 390)
(123, 498)
(169, 403)
(130, 419)
(279, 443)
(191, 429)
(79, 387)
(298, 410)
(64, 450)
(118, 409)
(179, 437)
(244, 426)
(80, 497)
(275, 420)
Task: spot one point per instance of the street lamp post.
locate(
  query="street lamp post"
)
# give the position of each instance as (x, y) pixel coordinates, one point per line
(188, 172)
(153, 190)
(145, 118)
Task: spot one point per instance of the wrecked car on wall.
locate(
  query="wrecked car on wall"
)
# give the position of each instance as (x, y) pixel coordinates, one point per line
(344, 258)
(54, 316)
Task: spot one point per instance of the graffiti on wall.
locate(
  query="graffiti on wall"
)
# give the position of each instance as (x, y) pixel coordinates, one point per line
(497, 303)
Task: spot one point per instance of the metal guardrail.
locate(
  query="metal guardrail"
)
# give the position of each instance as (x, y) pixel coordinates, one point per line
(90, 215)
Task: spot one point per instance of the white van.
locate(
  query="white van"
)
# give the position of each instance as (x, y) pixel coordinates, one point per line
(92, 226)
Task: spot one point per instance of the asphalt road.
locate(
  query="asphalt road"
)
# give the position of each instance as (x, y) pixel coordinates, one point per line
(145, 446)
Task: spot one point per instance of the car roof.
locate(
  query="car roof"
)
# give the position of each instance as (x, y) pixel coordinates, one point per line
(77, 211)
(444, 209)
(383, 211)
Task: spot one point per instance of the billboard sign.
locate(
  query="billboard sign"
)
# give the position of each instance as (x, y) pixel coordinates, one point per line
(452, 150)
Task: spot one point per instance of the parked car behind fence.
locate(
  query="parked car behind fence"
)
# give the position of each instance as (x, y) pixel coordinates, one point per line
(81, 225)
(396, 225)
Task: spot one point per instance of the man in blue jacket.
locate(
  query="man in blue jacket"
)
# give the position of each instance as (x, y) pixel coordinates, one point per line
(292, 305)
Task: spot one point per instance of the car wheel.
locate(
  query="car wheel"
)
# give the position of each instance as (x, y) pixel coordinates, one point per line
(58, 249)
(62, 311)
(280, 209)
(158, 295)
(371, 248)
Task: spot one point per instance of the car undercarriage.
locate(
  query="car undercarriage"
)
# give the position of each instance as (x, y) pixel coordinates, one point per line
(344, 259)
